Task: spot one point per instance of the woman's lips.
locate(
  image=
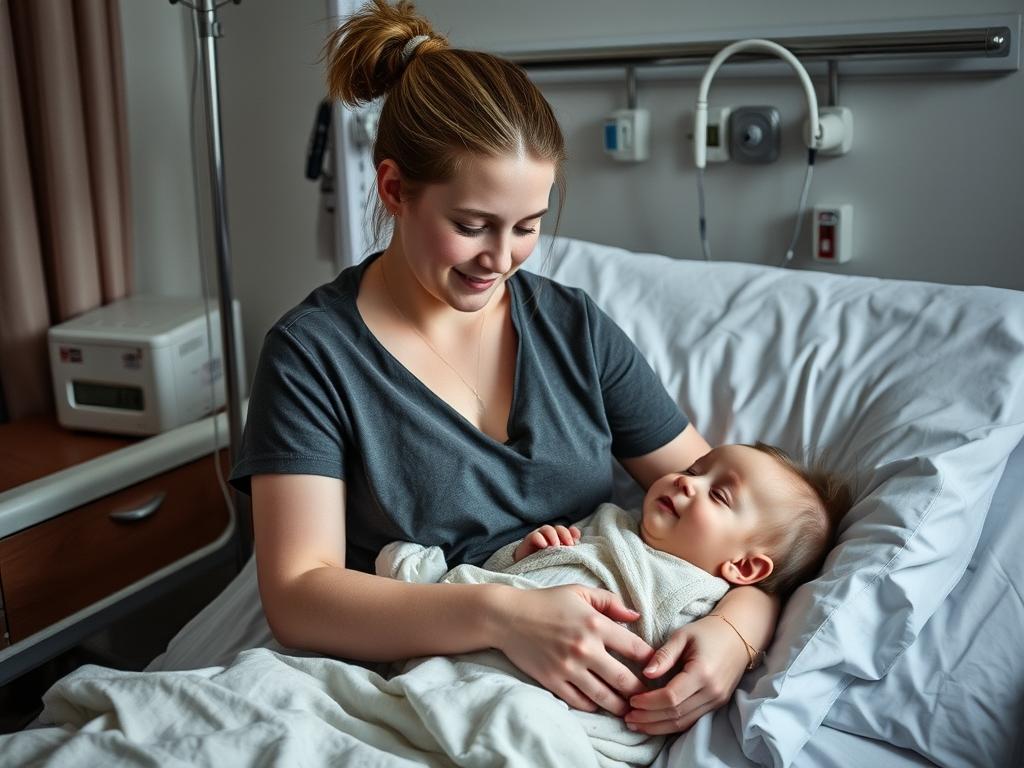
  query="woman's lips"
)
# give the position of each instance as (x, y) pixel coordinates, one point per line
(476, 283)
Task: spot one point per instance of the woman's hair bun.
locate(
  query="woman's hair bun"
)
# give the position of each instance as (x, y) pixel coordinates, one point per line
(364, 55)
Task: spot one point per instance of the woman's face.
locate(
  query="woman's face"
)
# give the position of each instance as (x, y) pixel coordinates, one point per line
(462, 239)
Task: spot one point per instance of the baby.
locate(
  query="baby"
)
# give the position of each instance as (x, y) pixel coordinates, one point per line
(740, 515)
(745, 513)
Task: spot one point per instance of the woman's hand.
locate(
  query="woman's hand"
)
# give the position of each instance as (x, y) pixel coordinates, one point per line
(712, 660)
(561, 637)
(544, 537)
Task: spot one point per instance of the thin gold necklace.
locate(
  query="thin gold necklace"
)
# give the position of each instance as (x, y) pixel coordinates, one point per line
(481, 408)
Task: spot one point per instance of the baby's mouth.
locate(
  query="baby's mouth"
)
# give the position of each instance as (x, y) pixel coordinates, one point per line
(666, 505)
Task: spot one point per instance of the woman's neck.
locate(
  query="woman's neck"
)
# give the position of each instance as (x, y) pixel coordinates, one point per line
(429, 315)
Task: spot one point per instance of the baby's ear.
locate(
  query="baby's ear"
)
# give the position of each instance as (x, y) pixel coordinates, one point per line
(747, 570)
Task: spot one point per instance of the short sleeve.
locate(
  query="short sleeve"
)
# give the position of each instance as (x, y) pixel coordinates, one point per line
(642, 416)
(294, 423)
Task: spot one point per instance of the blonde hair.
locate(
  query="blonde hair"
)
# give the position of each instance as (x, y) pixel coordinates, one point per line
(441, 104)
(799, 543)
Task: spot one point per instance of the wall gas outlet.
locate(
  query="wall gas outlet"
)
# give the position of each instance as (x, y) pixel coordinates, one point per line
(755, 134)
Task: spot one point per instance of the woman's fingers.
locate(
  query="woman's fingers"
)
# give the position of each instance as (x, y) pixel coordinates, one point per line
(598, 691)
(565, 636)
(572, 696)
(691, 689)
(686, 697)
(665, 722)
(671, 709)
(668, 654)
(619, 679)
(611, 606)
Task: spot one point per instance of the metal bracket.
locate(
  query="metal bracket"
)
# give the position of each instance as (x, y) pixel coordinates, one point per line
(208, 28)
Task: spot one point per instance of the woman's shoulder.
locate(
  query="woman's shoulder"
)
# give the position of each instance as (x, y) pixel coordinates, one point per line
(329, 305)
(542, 294)
(566, 306)
(536, 281)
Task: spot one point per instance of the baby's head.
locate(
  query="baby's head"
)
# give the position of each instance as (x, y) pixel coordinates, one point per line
(748, 514)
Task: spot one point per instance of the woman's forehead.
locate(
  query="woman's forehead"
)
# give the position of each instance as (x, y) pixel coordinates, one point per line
(499, 185)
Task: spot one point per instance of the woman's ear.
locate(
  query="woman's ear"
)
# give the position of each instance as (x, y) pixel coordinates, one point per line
(389, 186)
(747, 570)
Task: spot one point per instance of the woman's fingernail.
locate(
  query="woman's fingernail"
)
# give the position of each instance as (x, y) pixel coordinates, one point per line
(650, 669)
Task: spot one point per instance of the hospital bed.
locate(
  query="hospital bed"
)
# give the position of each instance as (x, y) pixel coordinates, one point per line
(904, 652)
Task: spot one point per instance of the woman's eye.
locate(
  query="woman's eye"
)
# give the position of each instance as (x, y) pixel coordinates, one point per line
(470, 231)
(474, 231)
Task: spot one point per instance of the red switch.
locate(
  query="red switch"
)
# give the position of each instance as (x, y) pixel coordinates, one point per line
(826, 235)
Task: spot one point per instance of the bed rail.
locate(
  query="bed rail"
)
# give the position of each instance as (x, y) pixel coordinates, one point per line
(973, 44)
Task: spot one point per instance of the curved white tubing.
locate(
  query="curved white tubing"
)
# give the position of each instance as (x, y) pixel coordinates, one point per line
(700, 126)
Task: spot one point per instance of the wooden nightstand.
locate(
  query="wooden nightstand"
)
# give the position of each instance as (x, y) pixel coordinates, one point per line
(92, 526)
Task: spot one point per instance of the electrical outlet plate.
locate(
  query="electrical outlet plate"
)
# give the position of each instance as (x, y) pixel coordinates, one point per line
(755, 134)
(718, 134)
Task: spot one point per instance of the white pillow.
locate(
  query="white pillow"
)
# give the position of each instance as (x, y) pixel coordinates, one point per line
(957, 695)
(916, 388)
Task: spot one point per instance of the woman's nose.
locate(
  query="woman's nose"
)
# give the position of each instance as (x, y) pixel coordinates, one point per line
(498, 257)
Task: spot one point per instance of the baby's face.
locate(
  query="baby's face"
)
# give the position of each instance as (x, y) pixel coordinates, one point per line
(708, 514)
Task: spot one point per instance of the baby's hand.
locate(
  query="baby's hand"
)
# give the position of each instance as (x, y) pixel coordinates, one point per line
(547, 536)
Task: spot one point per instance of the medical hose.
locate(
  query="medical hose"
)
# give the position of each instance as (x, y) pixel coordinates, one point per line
(800, 212)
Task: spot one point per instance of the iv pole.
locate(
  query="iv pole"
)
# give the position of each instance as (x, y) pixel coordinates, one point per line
(209, 30)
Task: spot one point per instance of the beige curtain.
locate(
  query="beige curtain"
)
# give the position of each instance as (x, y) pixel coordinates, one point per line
(65, 237)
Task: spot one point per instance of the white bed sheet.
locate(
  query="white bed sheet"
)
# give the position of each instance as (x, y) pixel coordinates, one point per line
(234, 622)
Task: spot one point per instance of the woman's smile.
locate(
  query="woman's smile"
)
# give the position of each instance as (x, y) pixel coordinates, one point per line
(476, 283)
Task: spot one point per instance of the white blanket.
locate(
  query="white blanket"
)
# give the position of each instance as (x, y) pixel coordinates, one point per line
(475, 710)
(273, 709)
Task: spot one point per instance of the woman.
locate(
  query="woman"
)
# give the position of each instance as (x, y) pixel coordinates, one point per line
(435, 394)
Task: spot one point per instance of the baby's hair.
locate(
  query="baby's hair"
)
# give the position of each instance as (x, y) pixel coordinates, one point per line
(800, 543)
(441, 104)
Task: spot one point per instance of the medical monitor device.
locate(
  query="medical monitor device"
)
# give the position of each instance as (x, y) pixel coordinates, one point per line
(700, 128)
(138, 366)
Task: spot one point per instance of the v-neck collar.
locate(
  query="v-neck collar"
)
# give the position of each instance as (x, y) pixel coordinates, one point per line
(515, 307)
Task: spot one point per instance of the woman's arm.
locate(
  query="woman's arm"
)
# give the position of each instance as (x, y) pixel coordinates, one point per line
(675, 456)
(560, 636)
(312, 601)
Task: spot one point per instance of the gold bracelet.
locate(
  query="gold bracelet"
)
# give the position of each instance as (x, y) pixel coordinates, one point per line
(752, 652)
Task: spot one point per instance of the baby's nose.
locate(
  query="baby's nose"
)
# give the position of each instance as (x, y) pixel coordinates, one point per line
(684, 485)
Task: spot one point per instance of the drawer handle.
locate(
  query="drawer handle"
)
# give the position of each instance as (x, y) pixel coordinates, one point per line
(139, 513)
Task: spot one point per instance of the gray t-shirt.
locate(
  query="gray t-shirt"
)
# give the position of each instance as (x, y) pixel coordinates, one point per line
(329, 399)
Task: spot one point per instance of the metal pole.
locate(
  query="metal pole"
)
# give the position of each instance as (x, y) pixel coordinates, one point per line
(209, 31)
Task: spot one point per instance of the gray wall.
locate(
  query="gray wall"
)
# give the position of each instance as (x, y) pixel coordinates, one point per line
(936, 175)
(157, 82)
